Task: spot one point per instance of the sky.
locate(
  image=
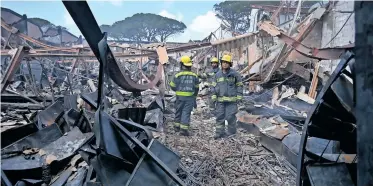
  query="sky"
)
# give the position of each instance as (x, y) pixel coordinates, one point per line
(198, 16)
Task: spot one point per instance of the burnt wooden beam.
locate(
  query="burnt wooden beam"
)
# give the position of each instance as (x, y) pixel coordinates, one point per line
(298, 70)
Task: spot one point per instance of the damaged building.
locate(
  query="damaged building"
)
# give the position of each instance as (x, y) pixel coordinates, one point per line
(87, 110)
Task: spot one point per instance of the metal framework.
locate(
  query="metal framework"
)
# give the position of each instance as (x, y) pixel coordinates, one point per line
(84, 19)
(315, 53)
(15, 62)
(329, 120)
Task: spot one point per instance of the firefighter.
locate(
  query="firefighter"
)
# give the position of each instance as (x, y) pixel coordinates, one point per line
(227, 91)
(186, 85)
(210, 76)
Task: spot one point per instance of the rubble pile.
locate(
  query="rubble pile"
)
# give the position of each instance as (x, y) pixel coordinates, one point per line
(237, 160)
(59, 145)
(68, 119)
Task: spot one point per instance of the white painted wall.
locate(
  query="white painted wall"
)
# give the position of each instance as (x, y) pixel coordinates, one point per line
(332, 23)
(253, 20)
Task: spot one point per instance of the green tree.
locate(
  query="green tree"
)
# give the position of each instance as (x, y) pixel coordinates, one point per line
(235, 13)
(169, 27)
(145, 27)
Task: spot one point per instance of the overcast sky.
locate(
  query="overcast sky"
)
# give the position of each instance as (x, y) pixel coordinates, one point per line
(198, 16)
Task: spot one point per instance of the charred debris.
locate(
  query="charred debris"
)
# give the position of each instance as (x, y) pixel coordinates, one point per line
(92, 112)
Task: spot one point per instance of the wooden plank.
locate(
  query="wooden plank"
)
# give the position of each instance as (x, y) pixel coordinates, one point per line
(305, 97)
(162, 54)
(315, 79)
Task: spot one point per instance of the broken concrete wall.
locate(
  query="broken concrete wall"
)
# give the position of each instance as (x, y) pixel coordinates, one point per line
(332, 23)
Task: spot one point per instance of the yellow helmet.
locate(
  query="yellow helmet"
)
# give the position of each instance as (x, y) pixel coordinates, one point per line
(186, 61)
(214, 60)
(226, 58)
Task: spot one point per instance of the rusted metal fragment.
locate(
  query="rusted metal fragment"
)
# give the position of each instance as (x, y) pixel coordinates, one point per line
(247, 118)
(277, 132)
(15, 63)
(341, 158)
(264, 124)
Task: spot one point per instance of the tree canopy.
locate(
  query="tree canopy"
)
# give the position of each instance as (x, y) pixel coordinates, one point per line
(144, 27)
(237, 13)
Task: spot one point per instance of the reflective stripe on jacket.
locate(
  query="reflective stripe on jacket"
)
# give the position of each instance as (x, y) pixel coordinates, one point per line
(210, 75)
(227, 87)
(185, 84)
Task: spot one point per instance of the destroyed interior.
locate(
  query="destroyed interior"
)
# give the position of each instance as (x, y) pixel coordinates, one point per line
(277, 93)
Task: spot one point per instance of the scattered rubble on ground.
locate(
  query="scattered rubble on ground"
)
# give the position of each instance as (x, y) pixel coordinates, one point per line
(69, 119)
(237, 160)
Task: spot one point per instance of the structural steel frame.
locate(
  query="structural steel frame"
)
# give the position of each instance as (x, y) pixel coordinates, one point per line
(14, 65)
(315, 53)
(86, 22)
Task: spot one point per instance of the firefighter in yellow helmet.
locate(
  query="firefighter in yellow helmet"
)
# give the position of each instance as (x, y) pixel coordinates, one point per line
(209, 76)
(186, 85)
(227, 91)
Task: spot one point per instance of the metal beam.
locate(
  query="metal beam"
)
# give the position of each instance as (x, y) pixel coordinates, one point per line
(15, 62)
(315, 53)
(86, 22)
(73, 66)
(286, 51)
(364, 90)
(271, 8)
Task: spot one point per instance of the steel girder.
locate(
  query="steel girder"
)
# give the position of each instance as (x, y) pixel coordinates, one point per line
(86, 22)
(315, 53)
(13, 67)
(313, 118)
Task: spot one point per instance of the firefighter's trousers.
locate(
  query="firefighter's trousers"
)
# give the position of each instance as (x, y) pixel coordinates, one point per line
(226, 111)
(184, 108)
